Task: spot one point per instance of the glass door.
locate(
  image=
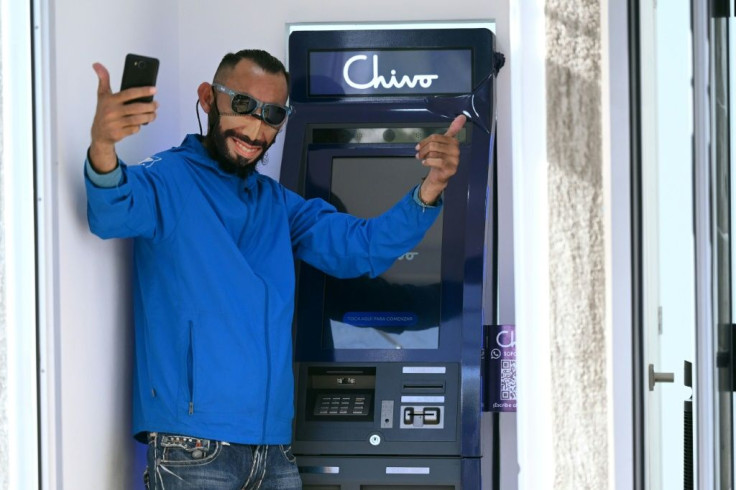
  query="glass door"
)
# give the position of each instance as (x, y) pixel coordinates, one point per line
(713, 145)
(732, 180)
(721, 146)
(686, 52)
(667, 241)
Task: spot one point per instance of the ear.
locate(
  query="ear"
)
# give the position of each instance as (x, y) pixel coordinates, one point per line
(206, 97)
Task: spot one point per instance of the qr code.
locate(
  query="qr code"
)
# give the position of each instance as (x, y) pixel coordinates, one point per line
(508, 380)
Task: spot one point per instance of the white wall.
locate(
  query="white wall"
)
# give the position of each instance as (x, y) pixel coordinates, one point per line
(89, 278)
(87, 281)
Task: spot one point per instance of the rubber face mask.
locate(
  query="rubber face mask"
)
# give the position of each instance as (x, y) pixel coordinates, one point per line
(469, 104)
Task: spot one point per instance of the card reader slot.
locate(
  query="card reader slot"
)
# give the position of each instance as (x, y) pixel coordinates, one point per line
(423, 388)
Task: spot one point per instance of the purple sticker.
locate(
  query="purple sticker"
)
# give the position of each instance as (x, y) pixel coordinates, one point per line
(501, 368)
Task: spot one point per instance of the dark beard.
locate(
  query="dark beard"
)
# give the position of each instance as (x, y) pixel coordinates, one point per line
(216, 144)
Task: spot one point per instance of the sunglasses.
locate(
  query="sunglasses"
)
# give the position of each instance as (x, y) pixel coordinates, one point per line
(246, 105)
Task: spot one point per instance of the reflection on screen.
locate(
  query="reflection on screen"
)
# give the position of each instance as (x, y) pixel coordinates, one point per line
(400, 309)
(346, 336)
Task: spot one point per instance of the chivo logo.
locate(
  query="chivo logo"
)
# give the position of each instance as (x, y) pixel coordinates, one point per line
(506, 338)
(409, 256)
(424, 81)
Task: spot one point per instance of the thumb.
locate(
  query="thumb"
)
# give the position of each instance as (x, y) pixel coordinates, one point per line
(456, 126)
(103, 87)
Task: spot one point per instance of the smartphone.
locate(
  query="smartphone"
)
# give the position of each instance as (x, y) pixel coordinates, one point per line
(139, 71)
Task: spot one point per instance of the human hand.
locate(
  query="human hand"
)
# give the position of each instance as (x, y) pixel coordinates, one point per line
(441, 153)
(115, 120)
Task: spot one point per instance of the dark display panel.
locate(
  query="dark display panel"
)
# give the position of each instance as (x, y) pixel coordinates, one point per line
(400, 309)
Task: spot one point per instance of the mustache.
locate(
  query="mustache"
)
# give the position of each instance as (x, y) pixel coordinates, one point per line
(231, 133)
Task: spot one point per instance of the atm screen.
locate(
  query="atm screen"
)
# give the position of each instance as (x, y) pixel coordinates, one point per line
(400, 309)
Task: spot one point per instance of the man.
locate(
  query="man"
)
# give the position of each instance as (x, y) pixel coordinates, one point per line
(214, 248)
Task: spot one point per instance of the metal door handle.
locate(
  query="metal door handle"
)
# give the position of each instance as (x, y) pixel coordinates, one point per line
(655, 377)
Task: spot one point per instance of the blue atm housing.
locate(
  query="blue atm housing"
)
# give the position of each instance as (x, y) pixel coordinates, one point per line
(388, 370)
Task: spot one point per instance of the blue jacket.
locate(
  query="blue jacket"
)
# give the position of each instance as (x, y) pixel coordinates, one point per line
(213, 286)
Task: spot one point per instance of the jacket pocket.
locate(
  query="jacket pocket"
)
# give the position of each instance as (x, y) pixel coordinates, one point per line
(226, 368)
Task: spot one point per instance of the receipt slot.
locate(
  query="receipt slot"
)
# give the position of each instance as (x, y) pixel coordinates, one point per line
(388, 388)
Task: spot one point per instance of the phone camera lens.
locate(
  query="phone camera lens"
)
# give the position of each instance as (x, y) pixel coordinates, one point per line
(141, 64)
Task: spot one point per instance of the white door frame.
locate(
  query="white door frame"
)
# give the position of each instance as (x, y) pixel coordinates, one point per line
(18, 203)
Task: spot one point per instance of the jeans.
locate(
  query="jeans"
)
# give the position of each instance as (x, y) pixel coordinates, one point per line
(181, 462)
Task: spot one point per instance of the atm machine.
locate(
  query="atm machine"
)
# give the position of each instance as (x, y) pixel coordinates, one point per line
(388, 369)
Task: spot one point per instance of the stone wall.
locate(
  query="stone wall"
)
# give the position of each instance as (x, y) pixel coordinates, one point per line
(576, 247)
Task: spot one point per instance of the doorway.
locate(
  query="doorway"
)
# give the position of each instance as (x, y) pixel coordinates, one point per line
(686, 76)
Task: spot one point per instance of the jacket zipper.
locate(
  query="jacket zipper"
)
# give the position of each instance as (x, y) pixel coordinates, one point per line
(190, 368)
(147, 342)
(268, 366)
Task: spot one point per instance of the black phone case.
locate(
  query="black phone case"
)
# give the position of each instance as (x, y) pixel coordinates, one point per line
(139, 71)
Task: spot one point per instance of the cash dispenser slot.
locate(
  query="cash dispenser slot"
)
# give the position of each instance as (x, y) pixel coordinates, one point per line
(344, 394)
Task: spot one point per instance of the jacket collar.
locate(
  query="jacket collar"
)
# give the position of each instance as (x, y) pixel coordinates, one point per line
(194, 143)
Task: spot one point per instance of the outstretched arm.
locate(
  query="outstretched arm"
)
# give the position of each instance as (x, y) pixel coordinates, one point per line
(115, 120)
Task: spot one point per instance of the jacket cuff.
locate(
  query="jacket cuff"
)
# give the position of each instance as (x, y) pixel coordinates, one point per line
(108, 180)
(418, 200)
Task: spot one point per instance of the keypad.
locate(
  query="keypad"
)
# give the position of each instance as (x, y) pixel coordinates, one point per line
(341, 404)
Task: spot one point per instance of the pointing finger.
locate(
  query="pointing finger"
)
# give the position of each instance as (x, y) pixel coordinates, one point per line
(456, 126)
(103, 87)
